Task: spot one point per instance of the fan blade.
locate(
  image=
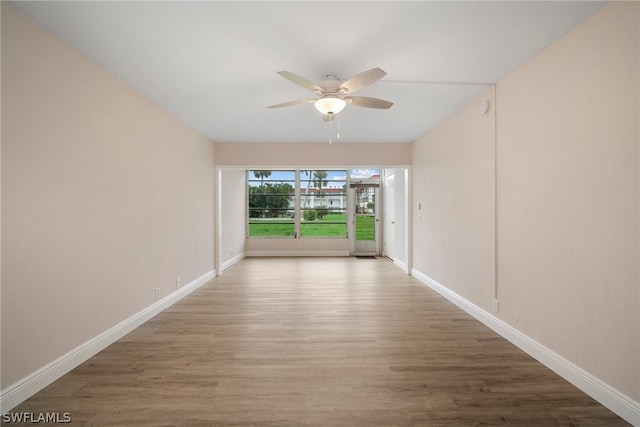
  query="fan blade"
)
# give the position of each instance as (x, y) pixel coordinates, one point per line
(301, 81)
(362, 80)
(288, 104)
(365, 101)
(328, 117)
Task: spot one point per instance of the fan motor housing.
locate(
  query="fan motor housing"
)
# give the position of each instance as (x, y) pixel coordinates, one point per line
(330, 84)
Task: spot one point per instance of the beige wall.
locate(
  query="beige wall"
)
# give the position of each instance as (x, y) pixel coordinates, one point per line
(454, 182)
(232, 213)
(323, 155)
(325, 246)
(568, 197)
(567, 216)
(0, 205)
(104, 198)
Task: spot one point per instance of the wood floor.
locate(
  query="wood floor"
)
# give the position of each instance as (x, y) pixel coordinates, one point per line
(316, 342)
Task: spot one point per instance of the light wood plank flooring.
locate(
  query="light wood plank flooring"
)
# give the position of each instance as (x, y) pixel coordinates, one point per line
(316, 342)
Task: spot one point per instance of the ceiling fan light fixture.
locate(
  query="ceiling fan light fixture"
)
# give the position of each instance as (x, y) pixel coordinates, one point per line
(330, 105)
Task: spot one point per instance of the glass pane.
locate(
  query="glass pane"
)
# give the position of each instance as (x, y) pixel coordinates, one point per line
(365, 227)
(365, 173)
(264, 228)
(260, 177)
(365, 200)
(323, 203)
(271, 203)
(365, 213)
(314, 229)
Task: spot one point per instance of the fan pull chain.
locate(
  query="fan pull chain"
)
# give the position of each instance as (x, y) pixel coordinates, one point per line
(331, 117)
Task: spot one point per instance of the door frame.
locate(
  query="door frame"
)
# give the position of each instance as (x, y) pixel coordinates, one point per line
(388, 214)
(354, 249)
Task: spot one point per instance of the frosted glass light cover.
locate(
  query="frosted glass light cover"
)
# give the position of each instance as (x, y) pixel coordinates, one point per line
(330, 105)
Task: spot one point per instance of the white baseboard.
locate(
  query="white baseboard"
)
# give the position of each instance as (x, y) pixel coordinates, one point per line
(296, 253)
(31, 384)
(401, 264)
(619, 403)
(228, 263)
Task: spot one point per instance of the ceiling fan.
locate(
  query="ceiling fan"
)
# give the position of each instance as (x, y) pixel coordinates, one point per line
(332, 95)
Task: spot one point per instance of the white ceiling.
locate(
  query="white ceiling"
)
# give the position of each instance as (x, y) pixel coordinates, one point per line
(213, 64)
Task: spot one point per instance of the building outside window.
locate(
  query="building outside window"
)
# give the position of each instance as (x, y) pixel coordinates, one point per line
(323, 203)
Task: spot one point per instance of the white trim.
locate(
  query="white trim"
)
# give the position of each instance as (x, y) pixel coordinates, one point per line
(36, 381)
(296, 253)
(401, 264)
(616, 401)
(228, 263)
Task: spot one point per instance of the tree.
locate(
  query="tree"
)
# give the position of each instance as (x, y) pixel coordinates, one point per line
(319, 179)
(269, 200)
(262, 175)
(306, 191)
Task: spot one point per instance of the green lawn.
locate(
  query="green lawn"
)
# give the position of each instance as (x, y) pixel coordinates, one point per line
(332, 225)
(270, 228)
(365, 228)
(322, 229)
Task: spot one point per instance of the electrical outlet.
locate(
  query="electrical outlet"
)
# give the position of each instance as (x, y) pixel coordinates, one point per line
(496, 305)
(157, 293)
(178, 282)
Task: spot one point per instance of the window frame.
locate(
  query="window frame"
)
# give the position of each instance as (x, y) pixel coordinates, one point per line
(299, 223)
(275, 220)
(343, 195)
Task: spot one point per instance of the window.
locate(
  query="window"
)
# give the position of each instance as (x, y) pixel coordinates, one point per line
(323, 203)
(318, 210)
(271, 203)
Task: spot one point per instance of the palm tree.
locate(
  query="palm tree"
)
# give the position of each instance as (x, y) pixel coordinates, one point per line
(319, 179)
(262, 175)
(306, 191)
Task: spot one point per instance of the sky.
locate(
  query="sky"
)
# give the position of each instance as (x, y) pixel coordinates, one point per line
(335, 178)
